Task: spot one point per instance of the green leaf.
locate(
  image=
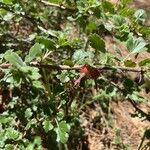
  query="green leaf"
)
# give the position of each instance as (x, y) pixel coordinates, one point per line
(31, 123)
(34, 74)
(111, 91)
(48, 43)
(103, 58)
(118, 20)
(140, 15)
(136, 97)
(38, 84)
(12, 134)
(117, 139)
(4, 119)
(126, 11)
(68, 62)
(7, 1)
(31, 72)
(136, 45)
(129, 85)
(64, 76)
(35, 50)
(108, 6)
(129, 63)
(125, 2)
(55, 1)
(8, 16)
(90, 27)
(14, 59)
(30, 146)
(145, 30)
(9, 147)
(117, 50)
(37, 140)
(144, 62)
(28, 113)
(47, 125)
(60, 114)
(62, 132)
(97, 42)
(2, 138)
(81, 56)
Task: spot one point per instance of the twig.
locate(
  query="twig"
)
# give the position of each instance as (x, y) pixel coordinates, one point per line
(122, 69)
(56, 5)
(48, 32)
(52, 4)
(77, 67)
(146, 115)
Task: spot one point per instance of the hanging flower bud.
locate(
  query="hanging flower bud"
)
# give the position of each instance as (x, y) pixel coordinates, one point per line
(89, 72)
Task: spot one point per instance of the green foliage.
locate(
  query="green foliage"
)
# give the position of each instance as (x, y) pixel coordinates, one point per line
(39, 41)
(136, 45)
(140, 15)
(62, 132)
(129, 63)
(14, 59)
(47, 126)
(97, 43)
(35, 51)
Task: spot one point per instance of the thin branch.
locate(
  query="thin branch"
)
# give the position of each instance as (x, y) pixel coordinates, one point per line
(48, 32)
(127, 69)
(56, 5)
(147, 115)
(52, 4)
(77, 67)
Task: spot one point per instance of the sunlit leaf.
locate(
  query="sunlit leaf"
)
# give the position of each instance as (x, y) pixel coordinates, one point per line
(7, 1)
(28, 113)
(118, 20)
(35, 50)
(129, 63)
(47, 125)
(12, 134)
(136, 45)
(48, 43)
(14, 59)
(81, 56)
(108, 6)
(144, 62)
(140, 15)
(97, 42)
(62, 132)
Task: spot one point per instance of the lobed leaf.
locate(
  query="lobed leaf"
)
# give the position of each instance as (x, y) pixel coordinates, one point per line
(136, 45)
(47, 125)
(35, 50)
(62, 132)
(14, 59)
(97, 42)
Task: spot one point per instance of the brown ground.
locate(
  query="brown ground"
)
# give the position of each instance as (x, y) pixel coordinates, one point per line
(131, 128)
(123, 114)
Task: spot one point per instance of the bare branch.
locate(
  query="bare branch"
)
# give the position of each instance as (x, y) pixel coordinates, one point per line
(52, 4)
(77, 67)
(56, 5)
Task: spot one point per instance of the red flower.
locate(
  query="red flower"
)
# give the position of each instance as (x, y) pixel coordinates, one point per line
(89, 72)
